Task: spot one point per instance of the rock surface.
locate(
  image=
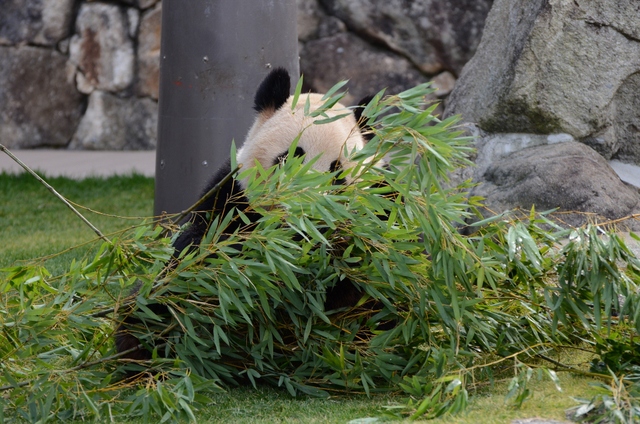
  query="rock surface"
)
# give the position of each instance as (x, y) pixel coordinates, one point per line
(40, 104)
(494, 148)
(368, 68)
(556, 66)
(113, 123)
(625, 112)
(310, 17)
(435, 35)
(568, 175)
(148, 59)
(102, 48)
(42, 22)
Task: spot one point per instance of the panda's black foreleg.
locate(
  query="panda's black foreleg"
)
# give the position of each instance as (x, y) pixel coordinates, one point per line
(230, 196)
(343, 294)
(127, 341)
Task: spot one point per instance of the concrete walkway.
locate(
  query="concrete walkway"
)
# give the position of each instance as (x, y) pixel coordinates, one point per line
(81, 163)
(91, 163)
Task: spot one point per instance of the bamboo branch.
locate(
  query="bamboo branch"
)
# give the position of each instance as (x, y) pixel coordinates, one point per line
(81, 366)
(58, 195)
(557, 363)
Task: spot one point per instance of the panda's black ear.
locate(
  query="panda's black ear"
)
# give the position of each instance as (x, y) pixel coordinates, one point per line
(367, 133)
(273, 91)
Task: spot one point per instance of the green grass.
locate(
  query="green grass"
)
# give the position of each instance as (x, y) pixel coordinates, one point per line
(35, 223)
(264, 405)
(546, 402)
(269, 405)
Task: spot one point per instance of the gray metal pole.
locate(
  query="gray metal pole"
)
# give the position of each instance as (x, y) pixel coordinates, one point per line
(213, 56)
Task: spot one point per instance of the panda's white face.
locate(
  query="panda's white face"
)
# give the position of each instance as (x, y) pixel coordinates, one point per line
(277, 126)
(271, 136)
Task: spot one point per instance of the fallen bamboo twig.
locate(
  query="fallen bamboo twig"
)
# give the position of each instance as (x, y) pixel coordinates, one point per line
(52, 190)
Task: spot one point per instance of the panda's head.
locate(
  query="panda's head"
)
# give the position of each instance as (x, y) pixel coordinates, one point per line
(277, 125)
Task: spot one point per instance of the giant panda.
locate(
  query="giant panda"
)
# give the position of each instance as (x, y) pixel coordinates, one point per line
(268, 142)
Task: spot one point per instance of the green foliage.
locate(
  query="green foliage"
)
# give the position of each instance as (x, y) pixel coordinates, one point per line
(431, 399)
(617, 402)
(618, 352)
(439, 311)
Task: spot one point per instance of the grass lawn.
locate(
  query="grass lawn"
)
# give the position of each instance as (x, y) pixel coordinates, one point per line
(268, 405)
(35, 224)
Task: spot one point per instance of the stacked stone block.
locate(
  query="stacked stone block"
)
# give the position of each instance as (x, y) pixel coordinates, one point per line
(82, 74)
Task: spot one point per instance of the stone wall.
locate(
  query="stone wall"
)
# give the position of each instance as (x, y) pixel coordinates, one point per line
(80, 75)
(84, 74)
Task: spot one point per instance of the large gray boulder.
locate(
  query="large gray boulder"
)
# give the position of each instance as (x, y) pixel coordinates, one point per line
(547, 66)
(568, 175)
(114, 123)
(40, 105)
(102, 49)
(435, 35)
(42, 22)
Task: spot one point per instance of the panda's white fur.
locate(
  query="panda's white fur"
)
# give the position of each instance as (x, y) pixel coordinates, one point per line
(273, 132)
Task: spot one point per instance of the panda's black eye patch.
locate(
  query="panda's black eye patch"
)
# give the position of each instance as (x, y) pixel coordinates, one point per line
(283, 156)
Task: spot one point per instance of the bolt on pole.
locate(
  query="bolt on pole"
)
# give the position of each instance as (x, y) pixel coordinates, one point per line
(213, 56)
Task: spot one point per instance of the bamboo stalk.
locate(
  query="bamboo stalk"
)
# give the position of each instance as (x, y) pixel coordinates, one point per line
(52, 190)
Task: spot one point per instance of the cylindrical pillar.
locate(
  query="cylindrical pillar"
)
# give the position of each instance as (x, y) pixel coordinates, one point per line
(213, 56)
